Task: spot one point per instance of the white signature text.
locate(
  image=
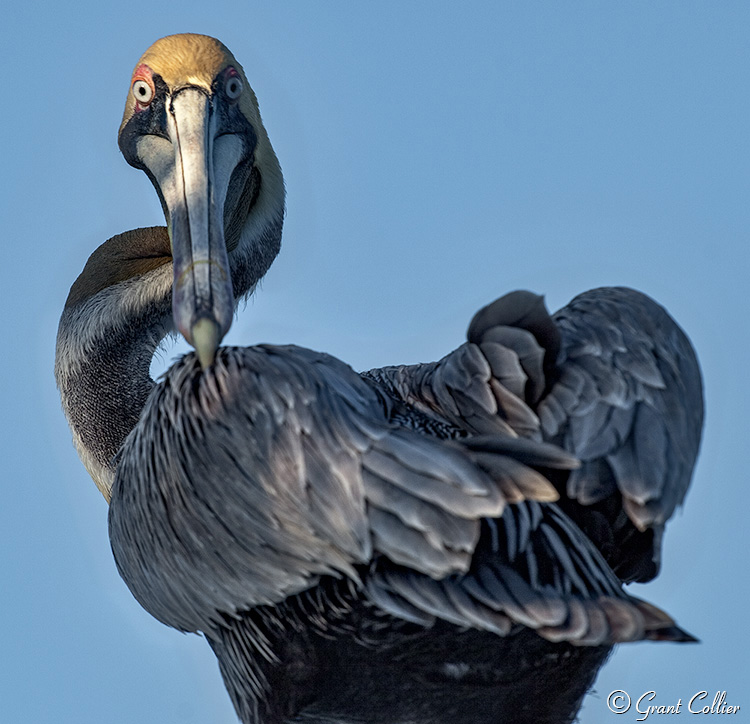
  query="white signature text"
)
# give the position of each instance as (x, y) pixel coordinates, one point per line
(620, 701)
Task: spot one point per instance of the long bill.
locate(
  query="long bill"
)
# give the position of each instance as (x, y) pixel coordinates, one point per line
(193, 176)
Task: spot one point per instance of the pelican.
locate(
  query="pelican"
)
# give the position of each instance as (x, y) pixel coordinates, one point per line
(431, 543)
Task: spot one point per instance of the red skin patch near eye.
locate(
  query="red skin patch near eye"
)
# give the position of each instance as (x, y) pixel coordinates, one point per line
(144, 73)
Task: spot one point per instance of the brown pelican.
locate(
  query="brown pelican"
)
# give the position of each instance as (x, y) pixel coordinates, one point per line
(410, 544)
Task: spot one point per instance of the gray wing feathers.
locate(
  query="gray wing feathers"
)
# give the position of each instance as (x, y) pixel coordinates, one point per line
(243, 484)
(424, 503)
(461, 389)
(520, 324)
(426, 497)
(613, 380)
(575, 597)
(277, 466)
(629, 393)
(490, 383)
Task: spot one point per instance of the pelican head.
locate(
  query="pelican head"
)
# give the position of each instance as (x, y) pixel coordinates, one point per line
(192, 123)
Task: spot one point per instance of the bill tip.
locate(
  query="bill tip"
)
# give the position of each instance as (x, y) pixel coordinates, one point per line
(206, 336)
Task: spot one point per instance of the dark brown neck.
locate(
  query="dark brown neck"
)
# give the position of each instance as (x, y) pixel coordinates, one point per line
(108, 334)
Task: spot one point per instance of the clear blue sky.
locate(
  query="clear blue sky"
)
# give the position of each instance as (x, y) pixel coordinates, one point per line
(435, 158)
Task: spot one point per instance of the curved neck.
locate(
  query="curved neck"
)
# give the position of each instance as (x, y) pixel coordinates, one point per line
(118, 312)
(105, 343)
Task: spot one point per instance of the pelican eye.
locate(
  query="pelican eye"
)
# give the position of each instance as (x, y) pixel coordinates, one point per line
(233, 87)
(143, 92)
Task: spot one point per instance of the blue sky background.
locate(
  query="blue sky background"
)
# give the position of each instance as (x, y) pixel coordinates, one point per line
(436, 156)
